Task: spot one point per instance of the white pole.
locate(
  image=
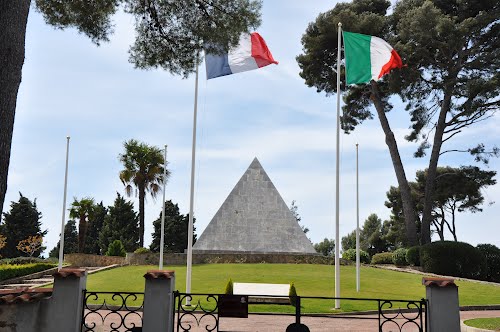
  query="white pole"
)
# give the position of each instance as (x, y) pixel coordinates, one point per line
(357, 222)
(61, 241)
(191, 197)
(162, 231)
(337, 240)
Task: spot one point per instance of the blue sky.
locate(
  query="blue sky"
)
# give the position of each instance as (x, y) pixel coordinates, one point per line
(71, 87)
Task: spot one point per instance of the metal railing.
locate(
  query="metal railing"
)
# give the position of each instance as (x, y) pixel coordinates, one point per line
(117, 311)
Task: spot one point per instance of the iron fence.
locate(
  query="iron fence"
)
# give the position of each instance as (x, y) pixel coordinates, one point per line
(197, 311)
(114, 311)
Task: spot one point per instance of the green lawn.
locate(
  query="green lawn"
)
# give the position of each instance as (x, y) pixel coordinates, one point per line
(484, 323)
(309, 279)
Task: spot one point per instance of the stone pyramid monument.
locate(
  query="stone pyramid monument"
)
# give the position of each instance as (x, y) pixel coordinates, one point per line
(254, 218)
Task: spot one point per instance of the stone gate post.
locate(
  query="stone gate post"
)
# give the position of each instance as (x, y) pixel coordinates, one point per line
(443, 311)
(158, 301)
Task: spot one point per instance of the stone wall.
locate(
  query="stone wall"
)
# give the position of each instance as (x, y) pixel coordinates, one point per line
(86, 260)
(208, 258)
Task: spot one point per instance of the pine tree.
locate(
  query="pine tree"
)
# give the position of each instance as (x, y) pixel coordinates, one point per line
(121, 223)
(21, 222)
(70, 240)
(94, 228)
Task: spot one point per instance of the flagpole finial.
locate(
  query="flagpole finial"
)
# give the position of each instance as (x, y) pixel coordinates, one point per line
(340, 24)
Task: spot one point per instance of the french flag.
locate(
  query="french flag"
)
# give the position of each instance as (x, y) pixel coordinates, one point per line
(251, 53)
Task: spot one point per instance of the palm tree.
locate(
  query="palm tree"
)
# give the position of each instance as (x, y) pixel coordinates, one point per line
(143, 169)
(82, 210)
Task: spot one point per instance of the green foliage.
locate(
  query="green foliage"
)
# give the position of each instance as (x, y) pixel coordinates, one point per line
(370, 236)
(13, 271)
(116, 248)
(70, 240)
(449, 258)
(94, 228)
(292, 294)
(120, 224)
(325, 247)
(413, 256)
(142, 250)
(21, 260)
(382, 258)
(349, 241)
(294, 209)
(82, 210)
(229, 287)
(176, 230)
(399, 257)
(21, 222)
(143, 169)
(350, 254)
(492, 255)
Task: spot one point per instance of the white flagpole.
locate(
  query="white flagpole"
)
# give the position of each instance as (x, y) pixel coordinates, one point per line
(61, 241)
(162, 231)
(337, 240)
(191, 197)
(357, 223)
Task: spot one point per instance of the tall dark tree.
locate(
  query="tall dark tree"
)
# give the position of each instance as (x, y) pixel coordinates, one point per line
(452, 49)
(94, 227)
(120, 224)
(21, 222)
(371, 237)
(70, 240)
(82, 210)
(143, 169)
(349, 241)
(169, 35)
(326, 247)
(176, 230)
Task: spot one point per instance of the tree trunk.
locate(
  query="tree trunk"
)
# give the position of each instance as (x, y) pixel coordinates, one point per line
(142, 194)
(408, 205)
(82, 234)
(13, 20)
(431, 170)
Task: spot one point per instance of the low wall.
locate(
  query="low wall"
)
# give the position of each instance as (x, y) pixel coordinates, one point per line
(211, 258)
(86, 260)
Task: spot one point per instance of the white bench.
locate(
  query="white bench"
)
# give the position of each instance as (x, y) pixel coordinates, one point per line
(263, 293)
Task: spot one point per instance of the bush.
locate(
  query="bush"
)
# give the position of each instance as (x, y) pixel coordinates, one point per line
(382, 258)
(449, 258)
(13, 271)
(142, 250)
(116, 249)
(229, 287)
(292, 294)
(21, 260)
(492, 256)
(399, 257)
(350, 254)
(413, 256)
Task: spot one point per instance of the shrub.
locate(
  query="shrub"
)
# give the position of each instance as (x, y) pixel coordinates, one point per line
(116, 248)
(382, 258)
(350, 254)
(492, 256)
(13, 271)
(292, 294)
(142, 250)
(413, 256)
(457, 259)
(229, 287)
(21, 260)
(399, 257)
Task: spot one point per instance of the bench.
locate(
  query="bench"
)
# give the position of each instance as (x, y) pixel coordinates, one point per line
(263, 293)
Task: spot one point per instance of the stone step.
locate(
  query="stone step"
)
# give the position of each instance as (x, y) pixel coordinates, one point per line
(11, 286)
(39, 281)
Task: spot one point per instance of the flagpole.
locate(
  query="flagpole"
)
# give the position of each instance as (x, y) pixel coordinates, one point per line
(61, 241)
(162, 231)
(357, 222)
(191, 197)
(337, 239)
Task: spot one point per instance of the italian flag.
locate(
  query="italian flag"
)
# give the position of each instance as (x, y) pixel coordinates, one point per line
(368, 58)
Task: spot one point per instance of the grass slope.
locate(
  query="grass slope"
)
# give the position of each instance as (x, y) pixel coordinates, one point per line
(492, 324)
(309, 279)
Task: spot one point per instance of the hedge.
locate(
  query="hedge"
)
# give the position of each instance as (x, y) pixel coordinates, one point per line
(458, 259)
(382, 258)
(413, 256)
(492, 256)
(350, 254)
(13, 271)
(399, 257)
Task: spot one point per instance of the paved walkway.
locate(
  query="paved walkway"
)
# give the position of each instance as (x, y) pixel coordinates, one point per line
(276, 323)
